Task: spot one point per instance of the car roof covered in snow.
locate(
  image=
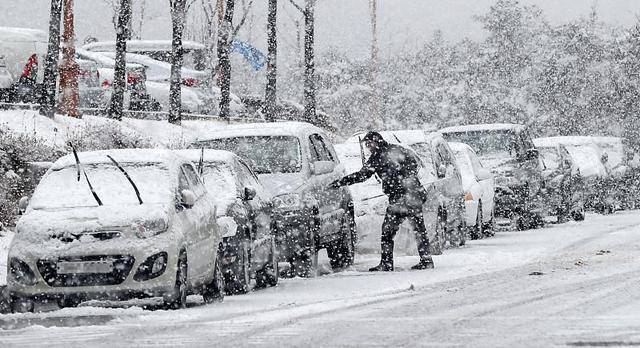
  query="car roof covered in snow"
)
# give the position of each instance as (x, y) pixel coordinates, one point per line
(401, 136)
(575, 140)
(297, 129)
(142, 45)
(122, 156)
(483, 127)
(210, 155)
(22, 34)
(460, 147)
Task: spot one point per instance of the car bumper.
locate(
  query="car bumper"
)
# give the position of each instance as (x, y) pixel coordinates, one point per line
(126, 257)
(293, 231)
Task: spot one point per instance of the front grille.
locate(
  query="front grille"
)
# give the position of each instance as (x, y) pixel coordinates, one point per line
(99, 235)
(122, 265)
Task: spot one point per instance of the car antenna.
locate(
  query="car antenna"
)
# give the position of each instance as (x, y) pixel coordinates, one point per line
(201, 162)
(79, 166)
(135, 188)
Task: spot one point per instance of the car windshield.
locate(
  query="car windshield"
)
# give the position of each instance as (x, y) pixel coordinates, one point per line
(489, 143)
(267, 154)
(550, 157)
(218, 178)
(60, 189)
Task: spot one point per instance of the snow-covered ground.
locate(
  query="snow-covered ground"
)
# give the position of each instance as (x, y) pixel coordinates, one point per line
(569, 284)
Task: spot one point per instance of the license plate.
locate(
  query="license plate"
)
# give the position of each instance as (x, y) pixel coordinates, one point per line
(85, 267)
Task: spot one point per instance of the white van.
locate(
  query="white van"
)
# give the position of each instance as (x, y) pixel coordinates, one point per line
(21, 52)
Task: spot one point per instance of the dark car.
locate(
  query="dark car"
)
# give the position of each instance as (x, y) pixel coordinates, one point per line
(564, 185)
(244, 212)
(296, 162)
(514, 159)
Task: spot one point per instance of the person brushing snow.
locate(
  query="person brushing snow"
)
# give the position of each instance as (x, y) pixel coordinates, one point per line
(397, 168)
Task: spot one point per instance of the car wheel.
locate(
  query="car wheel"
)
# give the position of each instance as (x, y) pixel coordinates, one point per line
(578, 215)
(341, 252)
(269, 274)
(477, 231)
(437, 244)
(179, 297)
(214, 291)
(237, 281)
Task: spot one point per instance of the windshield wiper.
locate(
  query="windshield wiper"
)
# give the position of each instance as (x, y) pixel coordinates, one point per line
(135, 188)
(79, 166)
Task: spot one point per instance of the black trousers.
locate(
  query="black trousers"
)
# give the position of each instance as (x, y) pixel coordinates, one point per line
(394, 217)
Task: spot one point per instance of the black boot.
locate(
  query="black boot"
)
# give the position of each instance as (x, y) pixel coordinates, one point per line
(425, 263)
(382, 267)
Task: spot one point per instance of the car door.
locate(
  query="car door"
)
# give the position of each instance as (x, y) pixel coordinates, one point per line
(486, 184)
(201, 232)
(329, 201)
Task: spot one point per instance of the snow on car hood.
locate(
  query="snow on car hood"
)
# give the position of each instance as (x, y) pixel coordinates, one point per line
(41, 224)
(281, 183)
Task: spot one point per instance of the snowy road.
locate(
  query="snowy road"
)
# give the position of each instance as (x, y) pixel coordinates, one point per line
(576, 284)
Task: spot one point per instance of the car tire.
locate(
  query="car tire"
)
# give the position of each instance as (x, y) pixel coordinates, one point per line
(178, 299)
(477, 231)
(214, 291)
(437, 244)
(238, 280)
(341, 252)
(269, 274)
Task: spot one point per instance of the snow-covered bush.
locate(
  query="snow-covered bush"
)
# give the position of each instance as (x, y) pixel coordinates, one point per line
(104, 136)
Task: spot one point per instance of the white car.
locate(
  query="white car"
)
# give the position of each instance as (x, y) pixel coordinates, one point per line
(116, 224)
(477, 182)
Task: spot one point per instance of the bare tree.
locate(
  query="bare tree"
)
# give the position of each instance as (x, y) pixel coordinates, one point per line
(223, 58)
(178, 11)
(47, 102)
(309, 62)
(119, 78)
(272, 47)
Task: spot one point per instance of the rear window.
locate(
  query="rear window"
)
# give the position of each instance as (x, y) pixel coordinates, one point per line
(495, 143)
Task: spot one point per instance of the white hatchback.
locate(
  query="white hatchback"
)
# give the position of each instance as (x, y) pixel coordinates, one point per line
(477, 182)
(114, 225)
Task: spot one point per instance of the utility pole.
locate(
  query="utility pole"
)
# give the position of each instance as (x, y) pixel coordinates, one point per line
(221, 12)
(69, 68)
(48, 98)
(272, 48)
(309, 62)
(175, 89)
(375, 98)
(119, 78)
(223, 59)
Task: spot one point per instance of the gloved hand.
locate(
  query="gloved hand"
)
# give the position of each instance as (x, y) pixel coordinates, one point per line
(334, 185)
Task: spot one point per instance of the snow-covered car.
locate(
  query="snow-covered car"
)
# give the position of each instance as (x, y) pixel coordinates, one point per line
(510, 153)
(564, 187)
(244, 217)
(442, 175)
(90, 93)
(116, 224)
(296, 162)
(593, 166)
(21, 51)
(477, 182)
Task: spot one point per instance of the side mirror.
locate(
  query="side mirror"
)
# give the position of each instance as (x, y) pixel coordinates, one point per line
(249, 193)
(322, 167)
(22, 205)
(187, 199)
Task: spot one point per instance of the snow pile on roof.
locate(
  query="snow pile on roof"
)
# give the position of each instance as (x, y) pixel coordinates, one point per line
(142, 45)
(402, 136)
(260, 129)
(123, 156)
(482, 127)
(22, 34)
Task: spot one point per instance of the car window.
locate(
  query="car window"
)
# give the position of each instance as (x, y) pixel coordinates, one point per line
(319, 151)
(445, 157)
(193, 180)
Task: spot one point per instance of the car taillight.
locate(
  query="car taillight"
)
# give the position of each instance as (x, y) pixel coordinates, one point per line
(29, 69)
(190, 82)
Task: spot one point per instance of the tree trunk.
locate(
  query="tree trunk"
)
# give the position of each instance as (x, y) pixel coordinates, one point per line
(223, 58)
(119, 76)
(272, 47)
(48, 97)
(175, 93)
(309, 63)
(69, 67)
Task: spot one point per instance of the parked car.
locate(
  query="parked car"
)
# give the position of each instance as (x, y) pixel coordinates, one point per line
(21, 51)
(510, 153)
(244, 211)
(479, 188)
(296, 162)
(594, 169)
(90, 93)
(116, 224)
(443, 178)
(564, 184)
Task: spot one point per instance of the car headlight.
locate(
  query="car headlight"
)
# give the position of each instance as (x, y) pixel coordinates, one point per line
(21, 272)
(150, 228)
(291, 200)
(227, 226)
